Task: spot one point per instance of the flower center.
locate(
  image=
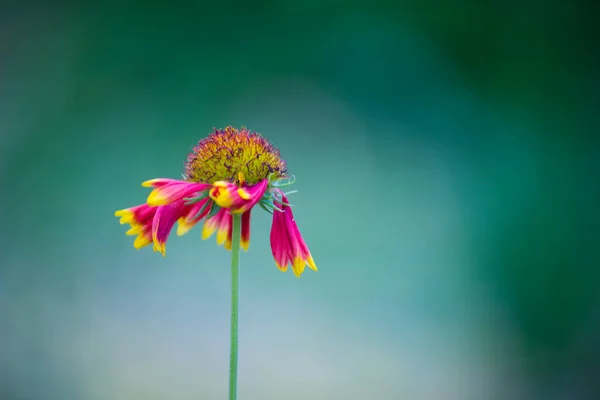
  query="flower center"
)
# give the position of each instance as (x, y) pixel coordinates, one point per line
(228, 154)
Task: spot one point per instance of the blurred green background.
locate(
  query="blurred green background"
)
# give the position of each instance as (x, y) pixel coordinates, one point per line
(447, 159)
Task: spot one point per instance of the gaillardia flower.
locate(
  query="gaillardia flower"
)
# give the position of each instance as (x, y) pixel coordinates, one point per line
(228, 172)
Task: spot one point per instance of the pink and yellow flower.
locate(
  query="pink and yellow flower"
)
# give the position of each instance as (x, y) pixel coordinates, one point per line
(227, 173)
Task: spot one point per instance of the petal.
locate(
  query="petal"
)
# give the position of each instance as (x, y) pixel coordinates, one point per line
(294, 252)
(287, 243)
(163, 222)
(210, 225)
(154, 183)
(167, 191)
(225, 225)
(227, 195)
(126, 216)
(142, 241)
(245, 240)
(253, 195)
(135, 230)
(304, 252)
(221, 223)
(279, 241)
(191, 215)
(238, 199)
(140, 219)
(139, 214)
(298, 266)
(229, 231)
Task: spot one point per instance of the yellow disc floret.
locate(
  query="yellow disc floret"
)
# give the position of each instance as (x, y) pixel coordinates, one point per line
(236, 156)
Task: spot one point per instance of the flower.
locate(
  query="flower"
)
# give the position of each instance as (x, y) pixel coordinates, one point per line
(229, 172)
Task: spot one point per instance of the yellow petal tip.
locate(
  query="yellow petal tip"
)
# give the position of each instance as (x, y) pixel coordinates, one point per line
(155, 199)
(148, 183)
(282, 268)
(126, 216)
(311, 264)
(182, 227)
(207, 230)
(298, 266)
(221, 236)
(141, 241)
(244, 194)
(134, 230)
(160, 248)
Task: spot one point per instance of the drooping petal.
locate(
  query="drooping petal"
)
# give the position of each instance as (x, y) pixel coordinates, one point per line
(163, 222)
(167, 191)
(287, 244)
(210, 225)
(138, 214)
(279, 241)
(143, 239)
(245, 240)
(191, 215)
(140, 219)
(295, 251)
(229, 232)
(301, 253)
(254, 193)
(228, 195)
(219, 223)
(222, 224)
(158, 182)
(154, 224)
(225, 224)
(237, 199)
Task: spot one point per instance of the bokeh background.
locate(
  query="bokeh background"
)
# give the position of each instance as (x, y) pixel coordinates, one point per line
(447, 159)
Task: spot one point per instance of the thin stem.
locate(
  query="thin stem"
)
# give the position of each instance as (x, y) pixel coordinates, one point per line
(235, 264)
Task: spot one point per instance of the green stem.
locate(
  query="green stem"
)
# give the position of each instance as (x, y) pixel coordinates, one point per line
(235, 264)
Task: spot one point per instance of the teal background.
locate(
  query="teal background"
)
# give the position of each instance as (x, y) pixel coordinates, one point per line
(447, 159)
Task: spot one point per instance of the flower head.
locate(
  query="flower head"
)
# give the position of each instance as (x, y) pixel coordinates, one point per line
(236, 156)
(228, 173)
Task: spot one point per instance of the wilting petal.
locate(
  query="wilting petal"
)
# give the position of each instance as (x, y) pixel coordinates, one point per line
(222, 223)
(287, 243)
(138, 214)
(210, 225)
(229, 232)
(140, 219)
(223, 230)
(254, 193)
(167, 191)
(218, 223)
(142, 240)
(279, 241)
(301, 253)
(228, 195)
(163, 222)
(192, 214)
(245, 240)
(158, 182)
(237, 199)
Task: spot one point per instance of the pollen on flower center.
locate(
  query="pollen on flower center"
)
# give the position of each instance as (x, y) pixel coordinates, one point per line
(236, 156)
